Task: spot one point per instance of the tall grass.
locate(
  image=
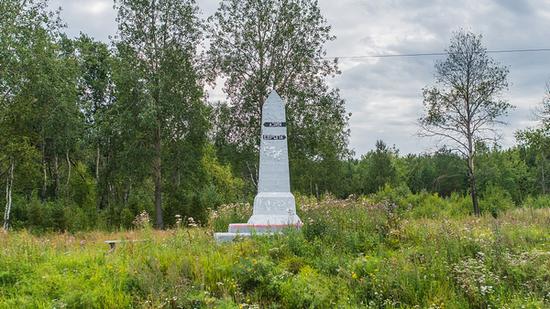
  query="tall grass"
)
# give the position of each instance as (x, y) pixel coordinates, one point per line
(383, 251)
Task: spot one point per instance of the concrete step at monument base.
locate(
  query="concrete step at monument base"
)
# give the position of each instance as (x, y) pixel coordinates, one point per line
(261, 228)
(242, 230)
(231, 236)
(228, 237)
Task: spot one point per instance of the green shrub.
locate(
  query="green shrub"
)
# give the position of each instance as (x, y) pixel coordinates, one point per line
(256, 275)
(495, 200)
(82, 187)
(430, 205)
(541, 201)
(309, 289)
(460, 205)
(427, 205)
(395, 195)
(220, 218)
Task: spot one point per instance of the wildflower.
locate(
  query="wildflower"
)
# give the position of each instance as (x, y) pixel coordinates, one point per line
(142, 220)
(353, 275)
(178, 221)
(191, 222)
(486, 289)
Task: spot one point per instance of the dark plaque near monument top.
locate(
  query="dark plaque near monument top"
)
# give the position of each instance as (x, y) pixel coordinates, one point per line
(274, 124)
(274, 137)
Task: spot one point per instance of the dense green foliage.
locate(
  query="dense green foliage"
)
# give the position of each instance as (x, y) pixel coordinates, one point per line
(93, 134)
(390, 249)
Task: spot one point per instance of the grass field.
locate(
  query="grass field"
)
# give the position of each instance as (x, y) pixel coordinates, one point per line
(353, 253)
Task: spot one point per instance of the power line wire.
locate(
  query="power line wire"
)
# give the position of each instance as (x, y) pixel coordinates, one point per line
(498, 51)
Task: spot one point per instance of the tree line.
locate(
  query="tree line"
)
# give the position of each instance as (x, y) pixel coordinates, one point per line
(92, 134)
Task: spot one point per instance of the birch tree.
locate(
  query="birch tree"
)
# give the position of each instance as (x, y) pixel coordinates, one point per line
(464, 105)
(9, 190)
(34, 81)
(545, 111)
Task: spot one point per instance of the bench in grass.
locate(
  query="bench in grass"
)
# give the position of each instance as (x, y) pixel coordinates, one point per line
(112, 243)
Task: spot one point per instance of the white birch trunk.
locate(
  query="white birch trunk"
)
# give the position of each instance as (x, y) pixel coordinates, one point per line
(68, 168)
(9, 185)
(97, 165)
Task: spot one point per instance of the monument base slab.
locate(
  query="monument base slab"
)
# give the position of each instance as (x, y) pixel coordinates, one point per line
(243, 230)
(228, 237)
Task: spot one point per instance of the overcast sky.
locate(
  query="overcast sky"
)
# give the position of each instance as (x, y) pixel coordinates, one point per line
(384, 94)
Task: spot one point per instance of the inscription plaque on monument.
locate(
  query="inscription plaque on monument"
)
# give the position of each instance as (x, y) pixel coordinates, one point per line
(274, 205)
(274, 124)
(274, 137)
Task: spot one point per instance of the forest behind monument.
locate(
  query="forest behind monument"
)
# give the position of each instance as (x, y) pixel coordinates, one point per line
(93, 134)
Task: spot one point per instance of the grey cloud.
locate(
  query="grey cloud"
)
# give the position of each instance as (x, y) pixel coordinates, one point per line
(371, 88)
(516, 7)
(93, 17)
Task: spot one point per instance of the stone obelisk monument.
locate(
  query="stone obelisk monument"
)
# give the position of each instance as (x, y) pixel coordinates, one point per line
(274, 206)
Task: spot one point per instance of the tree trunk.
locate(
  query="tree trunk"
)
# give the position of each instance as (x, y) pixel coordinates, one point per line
(44, 171)
(56, 172)
(126, 196)
(543, 178)
(9, 187)
(317, 192)
(101, 188)
(97, 165)
(68, 169)
(472, 179)
(157, 165)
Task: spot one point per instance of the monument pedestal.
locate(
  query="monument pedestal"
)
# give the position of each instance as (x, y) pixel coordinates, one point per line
(274, 206)
(273, 213)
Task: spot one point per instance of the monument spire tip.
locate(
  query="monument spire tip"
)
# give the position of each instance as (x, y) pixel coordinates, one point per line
(273, 93)
(274, 97)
